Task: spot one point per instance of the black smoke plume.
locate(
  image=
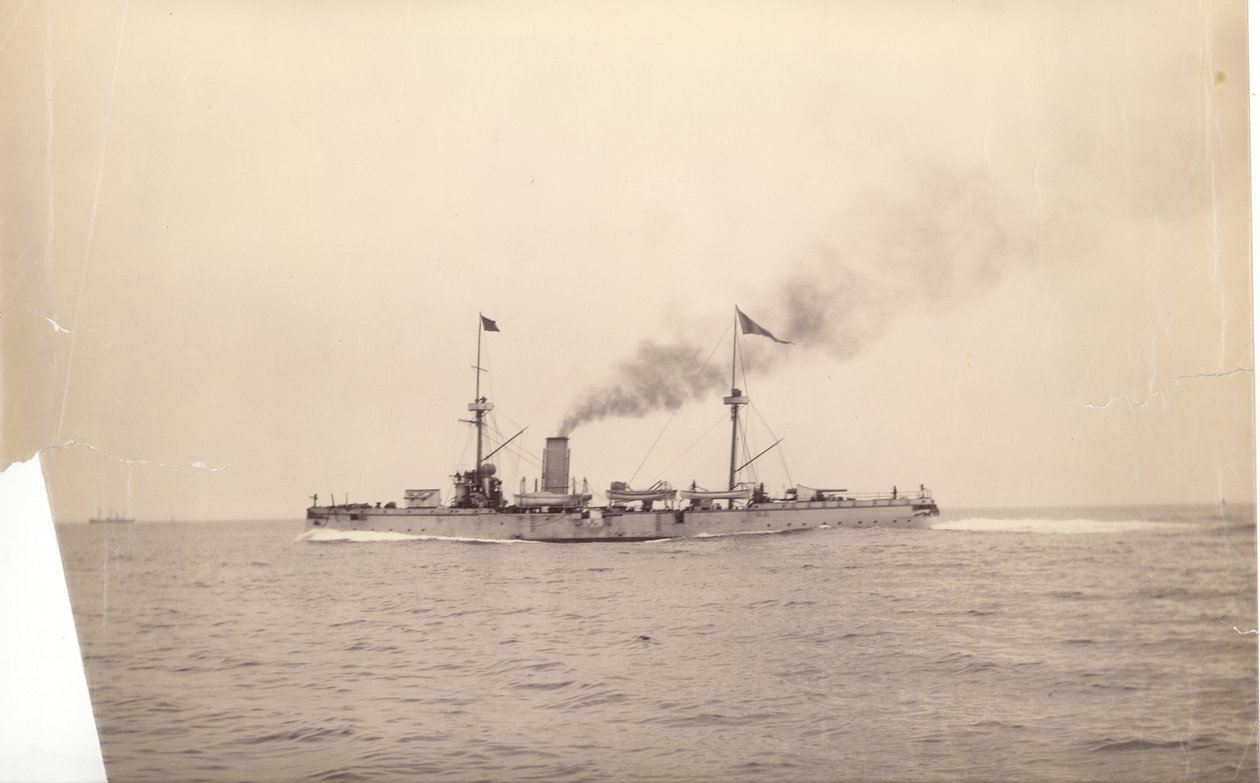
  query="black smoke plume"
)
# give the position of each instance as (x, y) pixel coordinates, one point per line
(659, 376)
(951, 237)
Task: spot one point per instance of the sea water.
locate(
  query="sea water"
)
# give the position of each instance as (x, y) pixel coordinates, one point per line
(1077, 644)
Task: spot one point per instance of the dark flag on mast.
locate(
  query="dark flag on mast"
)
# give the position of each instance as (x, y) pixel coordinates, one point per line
(488, 325)
(749, 326)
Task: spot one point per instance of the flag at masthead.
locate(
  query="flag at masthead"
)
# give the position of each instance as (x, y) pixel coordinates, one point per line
(488, 325)
(749, 326)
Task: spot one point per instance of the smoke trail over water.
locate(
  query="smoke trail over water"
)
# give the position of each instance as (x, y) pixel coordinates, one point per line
(657, 377)
(951, 238)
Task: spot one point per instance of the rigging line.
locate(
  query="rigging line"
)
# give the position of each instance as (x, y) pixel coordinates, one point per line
(690, 390)
(743, 422)
(743, 442)
(743, 371)
(509, 419)
(503, 445)
(514, 423)
(517, 425)
(743, 368)
(760, 454)
(775, 435)
(464, 453)
(510, 449)
(493, 424)
(703, 435)
(484, 358)
(508, 464)
(786, 470)
(485, 362)
(765, 423)
(529, 457)
(522, 453)
(519, 455)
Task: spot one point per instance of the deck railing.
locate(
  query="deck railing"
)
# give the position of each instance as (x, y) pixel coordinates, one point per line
(922, 494)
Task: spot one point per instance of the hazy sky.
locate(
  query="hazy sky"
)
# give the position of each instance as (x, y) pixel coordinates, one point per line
(245, 245)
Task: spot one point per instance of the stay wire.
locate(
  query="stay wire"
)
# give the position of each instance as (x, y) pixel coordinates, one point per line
(690, 390)
(694, 443)
(519, 453)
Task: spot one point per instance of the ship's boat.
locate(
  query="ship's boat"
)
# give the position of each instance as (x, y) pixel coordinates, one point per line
(552, 500)
(557, 511)
(661, 492)
(632, 496)
(719, 494)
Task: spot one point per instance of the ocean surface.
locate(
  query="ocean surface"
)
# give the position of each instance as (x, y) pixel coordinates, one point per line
(1034, 644)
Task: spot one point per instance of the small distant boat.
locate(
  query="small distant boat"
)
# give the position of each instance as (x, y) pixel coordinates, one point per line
(112, 519)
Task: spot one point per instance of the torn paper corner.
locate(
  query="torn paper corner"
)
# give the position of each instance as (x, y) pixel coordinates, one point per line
(46, 712)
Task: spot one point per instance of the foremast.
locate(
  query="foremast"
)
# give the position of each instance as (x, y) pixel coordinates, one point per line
(478, 488)
(480, 406)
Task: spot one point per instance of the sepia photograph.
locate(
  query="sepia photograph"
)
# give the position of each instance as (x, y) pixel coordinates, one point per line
(608, 391)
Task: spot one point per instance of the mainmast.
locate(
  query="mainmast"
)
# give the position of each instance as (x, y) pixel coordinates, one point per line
(735, 400)
(743, 325)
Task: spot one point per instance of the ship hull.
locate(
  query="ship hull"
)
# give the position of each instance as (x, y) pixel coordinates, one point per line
(610, 525)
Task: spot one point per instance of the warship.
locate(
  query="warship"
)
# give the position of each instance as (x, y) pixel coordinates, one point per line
(558, 511)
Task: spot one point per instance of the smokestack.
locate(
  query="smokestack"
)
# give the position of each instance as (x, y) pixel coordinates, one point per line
(555, 466)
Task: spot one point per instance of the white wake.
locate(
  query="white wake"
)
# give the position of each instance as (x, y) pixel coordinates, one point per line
(328, 535)
(1059, 526)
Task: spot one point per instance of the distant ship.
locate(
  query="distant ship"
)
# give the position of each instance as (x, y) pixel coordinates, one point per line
(114, 519)
(111, 519)
(558, 512)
